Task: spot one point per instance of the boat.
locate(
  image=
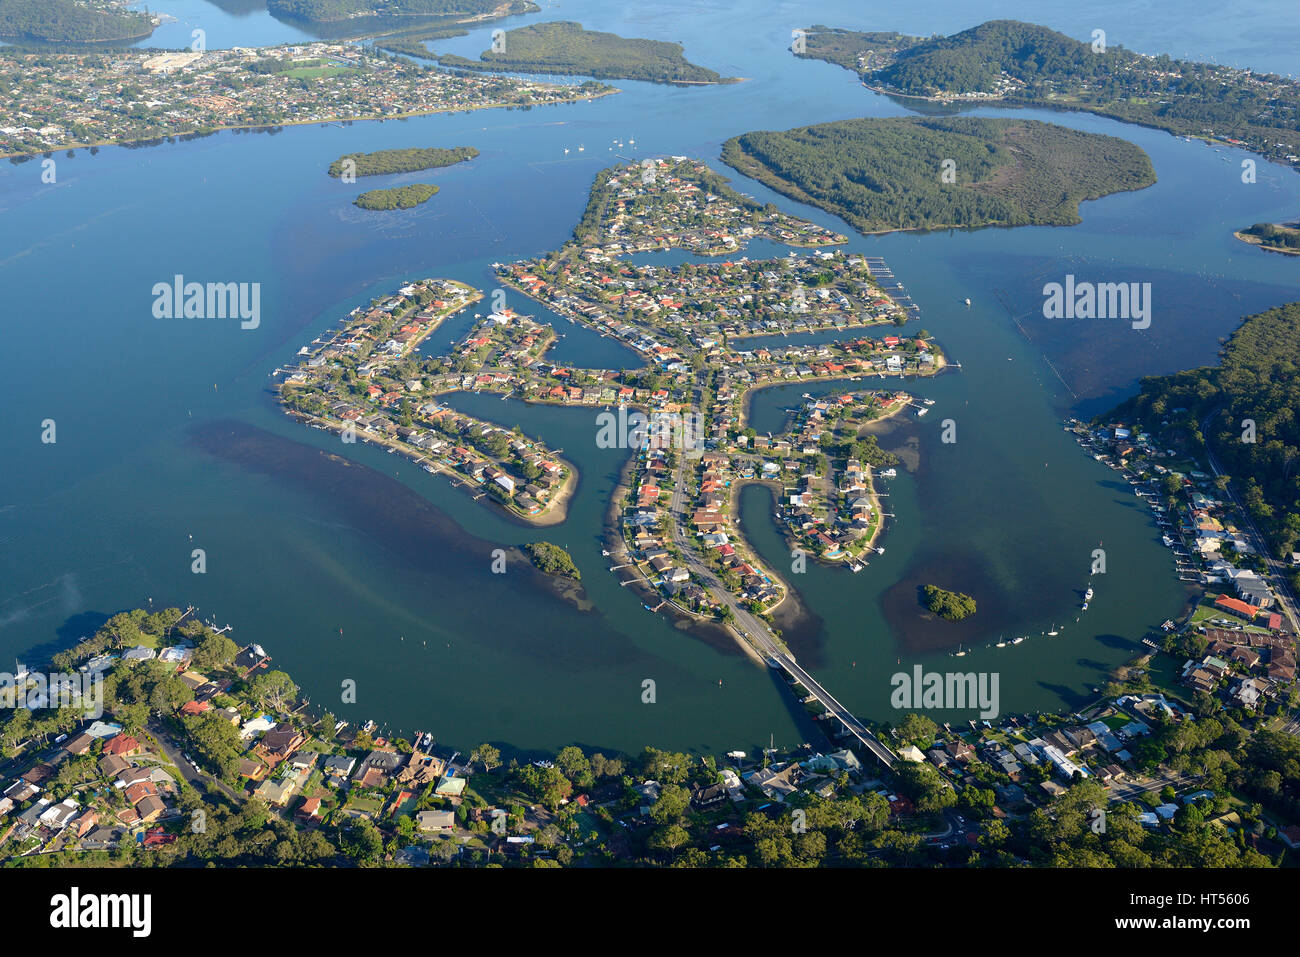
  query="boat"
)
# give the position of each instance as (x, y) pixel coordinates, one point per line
(1054, 632)
(880, 550)
(968, 302)
(430, 469)
(1084, 607)
(889, 473)
(1016, 641)
(959, 653)
(920, 412)
(1087, 596)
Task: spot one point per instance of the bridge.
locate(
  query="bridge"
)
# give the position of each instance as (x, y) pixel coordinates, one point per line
(852, 726)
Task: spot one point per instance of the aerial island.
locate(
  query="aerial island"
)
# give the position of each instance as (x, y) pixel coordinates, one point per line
(1275, 237)
(85, 99)
(935, 173)
(564, 47)
(396, 197)
(683, 416)
(355, 19)
(399, 161)
(1022, 64)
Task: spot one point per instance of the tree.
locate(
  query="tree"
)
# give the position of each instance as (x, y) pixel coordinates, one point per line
(486, 755)
(274, 690)
(917, 729)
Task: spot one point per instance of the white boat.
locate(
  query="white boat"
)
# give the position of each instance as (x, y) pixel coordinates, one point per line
(1087, 596)
(880, 550)
(889, 473)
(1054, 632)
(959, 653)
(921, 412)
(968, 302)
(1016, 641)
(1085, 606)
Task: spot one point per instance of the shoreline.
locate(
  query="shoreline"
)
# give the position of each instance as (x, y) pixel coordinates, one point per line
(208, 131)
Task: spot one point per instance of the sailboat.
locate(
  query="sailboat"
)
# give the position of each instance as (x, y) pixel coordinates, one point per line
(1001, 642)
(959, 653)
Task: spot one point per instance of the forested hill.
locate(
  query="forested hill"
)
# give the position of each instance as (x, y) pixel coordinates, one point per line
(887, 174)
(67, 21)
(1027, 64)
(330, 10)
(563, 47)
(1258, 378)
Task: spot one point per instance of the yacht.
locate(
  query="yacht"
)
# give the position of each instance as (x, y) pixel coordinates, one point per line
(889, 473)
(1016, 641)
(968, 302)
(1087, 596)
(1054, 632)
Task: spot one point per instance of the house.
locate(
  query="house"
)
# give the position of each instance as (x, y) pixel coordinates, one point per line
(280, 742)
(309, 812)
(428, 821)
(277, 793)
(122, 745)
(710, 796)
(149, 808)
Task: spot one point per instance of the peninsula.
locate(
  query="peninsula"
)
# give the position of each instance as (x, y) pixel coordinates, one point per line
(88, 99)
(937, 173)
(1275, 237)
(1023, 64)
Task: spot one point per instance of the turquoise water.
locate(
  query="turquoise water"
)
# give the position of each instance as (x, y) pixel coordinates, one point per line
(299, 546)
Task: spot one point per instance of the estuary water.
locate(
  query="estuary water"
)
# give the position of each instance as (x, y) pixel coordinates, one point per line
(347, 563)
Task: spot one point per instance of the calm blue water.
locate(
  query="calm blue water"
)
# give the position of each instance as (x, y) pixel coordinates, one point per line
(103, 519)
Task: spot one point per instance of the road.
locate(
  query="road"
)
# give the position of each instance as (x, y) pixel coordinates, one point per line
(754, 630)
(191, 773)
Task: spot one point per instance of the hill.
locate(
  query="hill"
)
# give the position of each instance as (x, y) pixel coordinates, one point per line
(1030, 65)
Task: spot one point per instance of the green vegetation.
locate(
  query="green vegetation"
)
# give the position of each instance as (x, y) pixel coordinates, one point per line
(402, 161)
(564, 47)
(948, 605)
(1258, 378)
(553, 560)
(330, 10)
(399, 197)
(1026, 64)
(886, 174)
(67, 21)
(414, 46)
(1284, 239)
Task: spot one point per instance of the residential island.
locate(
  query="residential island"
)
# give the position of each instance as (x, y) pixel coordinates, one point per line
(682, 416)
(66, 100)
(1023, 64)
